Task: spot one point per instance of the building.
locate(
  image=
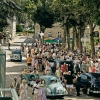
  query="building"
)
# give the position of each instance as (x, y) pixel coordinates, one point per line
(54, 32)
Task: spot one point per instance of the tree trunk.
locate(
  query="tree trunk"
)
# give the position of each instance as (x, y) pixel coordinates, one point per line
(64, 34)
(74, 34)
(68, 37)
(92, 39)
(80, 36)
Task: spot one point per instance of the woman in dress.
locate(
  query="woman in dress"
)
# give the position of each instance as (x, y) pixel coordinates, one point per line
(42, 93)
(36, 64)
(23, 90)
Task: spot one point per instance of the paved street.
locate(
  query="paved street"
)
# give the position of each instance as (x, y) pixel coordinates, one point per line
(14, 69)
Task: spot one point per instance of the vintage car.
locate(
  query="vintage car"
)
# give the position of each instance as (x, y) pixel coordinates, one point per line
(30, 78)
(16, 55)
(61, 62)
(53, 86)
(90, 82)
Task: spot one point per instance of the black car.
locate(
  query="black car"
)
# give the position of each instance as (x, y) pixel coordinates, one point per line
(90, 82)
(61, 62)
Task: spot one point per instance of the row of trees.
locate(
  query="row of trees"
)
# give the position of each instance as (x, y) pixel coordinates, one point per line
(76, 14)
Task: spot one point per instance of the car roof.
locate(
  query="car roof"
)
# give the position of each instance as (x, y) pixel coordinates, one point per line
(16, 50)
(48, 76)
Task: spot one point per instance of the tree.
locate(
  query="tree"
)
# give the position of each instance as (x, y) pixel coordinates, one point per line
(91, 8)
(41, 12)
(7, 9)
(64, 10)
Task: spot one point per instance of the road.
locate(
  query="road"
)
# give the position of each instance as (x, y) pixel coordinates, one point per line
(13, 69)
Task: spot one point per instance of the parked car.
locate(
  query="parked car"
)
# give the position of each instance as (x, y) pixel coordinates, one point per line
(61, 62)
(90, 82)
(30, 78)
(53, 85)
(16, 55)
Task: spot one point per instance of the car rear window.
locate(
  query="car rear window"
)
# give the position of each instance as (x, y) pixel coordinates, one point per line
(16, 52)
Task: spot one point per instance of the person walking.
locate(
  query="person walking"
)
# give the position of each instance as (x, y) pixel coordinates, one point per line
(16, 85)
(42, 93)
(64, 67)
(9, 46)
(58, 71)
(23, 90)
(29, 61)
(36, 88)
(78, 84)
(69, 82)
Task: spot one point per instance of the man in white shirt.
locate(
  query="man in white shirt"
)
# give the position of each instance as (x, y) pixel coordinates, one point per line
(36, 88)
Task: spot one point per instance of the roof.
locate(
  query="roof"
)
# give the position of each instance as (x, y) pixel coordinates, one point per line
(48, 76)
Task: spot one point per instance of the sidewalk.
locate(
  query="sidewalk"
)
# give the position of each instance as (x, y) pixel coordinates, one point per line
(18, 39)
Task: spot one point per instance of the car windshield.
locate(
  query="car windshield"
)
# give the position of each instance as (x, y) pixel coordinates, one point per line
(16, 52)
(97, 76)
(53, 80)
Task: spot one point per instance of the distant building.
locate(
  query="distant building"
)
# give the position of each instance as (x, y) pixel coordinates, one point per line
(54, 32)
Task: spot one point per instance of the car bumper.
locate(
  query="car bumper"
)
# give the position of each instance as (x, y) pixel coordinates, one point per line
(15, 59)
(56, 95)
(96, 92)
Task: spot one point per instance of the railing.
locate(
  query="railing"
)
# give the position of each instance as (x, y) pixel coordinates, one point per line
(14, 95)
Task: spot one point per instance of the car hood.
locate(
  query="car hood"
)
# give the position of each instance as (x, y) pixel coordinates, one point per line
(55, 85)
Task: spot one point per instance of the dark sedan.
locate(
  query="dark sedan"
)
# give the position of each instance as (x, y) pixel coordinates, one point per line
(90, 82)
(61, 62)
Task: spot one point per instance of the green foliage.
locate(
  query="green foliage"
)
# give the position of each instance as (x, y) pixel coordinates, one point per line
(19, 28)
(7, 10)
(44, 16)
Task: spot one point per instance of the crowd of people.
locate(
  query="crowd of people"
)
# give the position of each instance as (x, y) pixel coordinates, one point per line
(37, 57)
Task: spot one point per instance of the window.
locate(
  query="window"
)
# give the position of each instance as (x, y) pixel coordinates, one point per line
(84, 77)
(49, 34)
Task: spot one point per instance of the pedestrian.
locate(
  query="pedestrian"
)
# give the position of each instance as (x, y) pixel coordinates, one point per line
(64, 67)
(58, 71)
(36, 88)
(29, 61)
(9, 46)
(42, 93)
(83, 67)
(16, 85)
(93, 69)
(23, 90)
(78, 84)
(69, 82)
(36, 64)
